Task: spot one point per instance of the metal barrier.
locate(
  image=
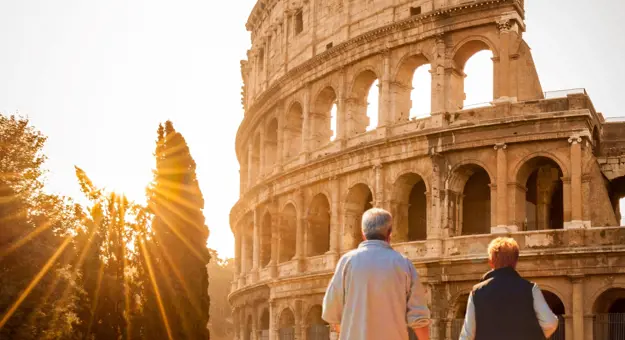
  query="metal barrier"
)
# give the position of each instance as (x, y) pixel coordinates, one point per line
(286, 333)
(319, 332)
(609, 326)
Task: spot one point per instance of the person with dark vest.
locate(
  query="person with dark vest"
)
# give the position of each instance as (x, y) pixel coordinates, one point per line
(504, 305)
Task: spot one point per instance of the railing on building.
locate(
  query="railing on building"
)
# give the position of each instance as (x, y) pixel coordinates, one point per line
(287, 333)
(609, 326)
(615, 119)
(563, 93)
(318, 332)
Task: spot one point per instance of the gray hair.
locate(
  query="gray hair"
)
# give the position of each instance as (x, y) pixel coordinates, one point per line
(376, 224)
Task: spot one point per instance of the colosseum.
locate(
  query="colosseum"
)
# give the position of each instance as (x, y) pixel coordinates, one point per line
(543, 167)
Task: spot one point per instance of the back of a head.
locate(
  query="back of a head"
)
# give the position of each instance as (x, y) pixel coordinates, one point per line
(503, 252)
(376, 224)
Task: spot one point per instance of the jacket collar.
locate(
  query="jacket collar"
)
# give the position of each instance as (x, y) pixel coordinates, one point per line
(505, 271)
(374, 243)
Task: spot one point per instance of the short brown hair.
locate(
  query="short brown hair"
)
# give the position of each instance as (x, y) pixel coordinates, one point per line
(503, 252)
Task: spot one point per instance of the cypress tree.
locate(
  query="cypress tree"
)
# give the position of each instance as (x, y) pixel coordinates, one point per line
(177, 251)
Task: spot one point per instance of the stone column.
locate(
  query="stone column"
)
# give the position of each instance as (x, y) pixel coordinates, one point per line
(281, 136)
(242, 322)
(275, 238)
(299, 329)
(578, 306)
(244, 259)
(273, 321)
(501, 83)
(335, 226)
(261, 153)
(251, 171)
(437, 71)
(299, 236)
(340, 107)
(256, 245)
(384, 102)
(501, 198)
(237, 252)
(306, 125)
(379, 185)
(576, 184)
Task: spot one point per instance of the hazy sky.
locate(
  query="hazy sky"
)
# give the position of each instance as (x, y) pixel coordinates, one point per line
(98, 76)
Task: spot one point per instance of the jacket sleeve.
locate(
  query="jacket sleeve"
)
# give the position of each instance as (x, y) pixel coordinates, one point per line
(418, 313)
(547, 320)
(334, 299)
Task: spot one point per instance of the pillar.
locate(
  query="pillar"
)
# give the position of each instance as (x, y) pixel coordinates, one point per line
(501, 83)
(262, 157)
(384, 102)
(275, 239)
(273, 321)
(299, 320)
(237, 252)
(299, 236)
(256, 246)
(379, 185)
(576, 184)
(244, 259)
(340, 107)
(306, 125)
(335, 226)
(437, 70)
(578, 306)
(501, 198)
(250, 164)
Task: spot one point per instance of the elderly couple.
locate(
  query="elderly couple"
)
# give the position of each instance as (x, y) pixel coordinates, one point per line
(375, 294)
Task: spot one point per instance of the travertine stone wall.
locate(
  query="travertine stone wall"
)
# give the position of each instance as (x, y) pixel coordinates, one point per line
(543, 168)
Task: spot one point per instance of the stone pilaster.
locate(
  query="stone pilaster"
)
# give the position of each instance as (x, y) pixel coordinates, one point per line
(384, 102)
(340, 108)
(578, 306)
(335, 227)
(501, 198)
(275, 239)
(379, 185)
(256, 245)
(299, 236)
(576, 184)
(273, 321)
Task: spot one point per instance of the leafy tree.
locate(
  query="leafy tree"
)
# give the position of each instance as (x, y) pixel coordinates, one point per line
(221, 273)
(35, 243)
(178, 249)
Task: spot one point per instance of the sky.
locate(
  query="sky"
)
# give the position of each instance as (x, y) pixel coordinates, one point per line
(97, 77)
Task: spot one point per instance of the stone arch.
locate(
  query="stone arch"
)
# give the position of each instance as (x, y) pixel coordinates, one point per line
(266, 230)
(293, 129)
(271, 144)
(557, 306)
(359, 199)
(316, 327)
(539, 194)
(404, 90)
(457, 313)
(469, 190)
(409, 207)
(321, 118)
(608, 311)
(358, 117)
(287, 233)
(512, 175)
(286, 324)
(318, 226)
(464, 51)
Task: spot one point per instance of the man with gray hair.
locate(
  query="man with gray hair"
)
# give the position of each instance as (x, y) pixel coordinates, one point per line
(375, 292)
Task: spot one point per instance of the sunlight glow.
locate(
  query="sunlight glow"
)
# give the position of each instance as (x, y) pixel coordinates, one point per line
(372, 105)
(478, 85)
(421, 95)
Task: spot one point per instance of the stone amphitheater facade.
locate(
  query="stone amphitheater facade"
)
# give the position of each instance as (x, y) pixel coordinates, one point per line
(544, 168)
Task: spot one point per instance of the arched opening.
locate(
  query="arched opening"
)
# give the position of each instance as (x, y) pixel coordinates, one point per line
(410, 209)
(286, 240)
(264, 325)
(248, 328)
(248, 242)
(255, 160)
(412, 91)
(543, 194)
(265, 240)
(321, 118)
(317, 329)
(473, 78)
(293, 130)
(286, 330)
(617, 198)
(333, 121)
(557, 307)
(460, 310)
(362, 108)
(470, 200)
(318, 230)
(359, 200)
(271, 145)
(609, 318)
